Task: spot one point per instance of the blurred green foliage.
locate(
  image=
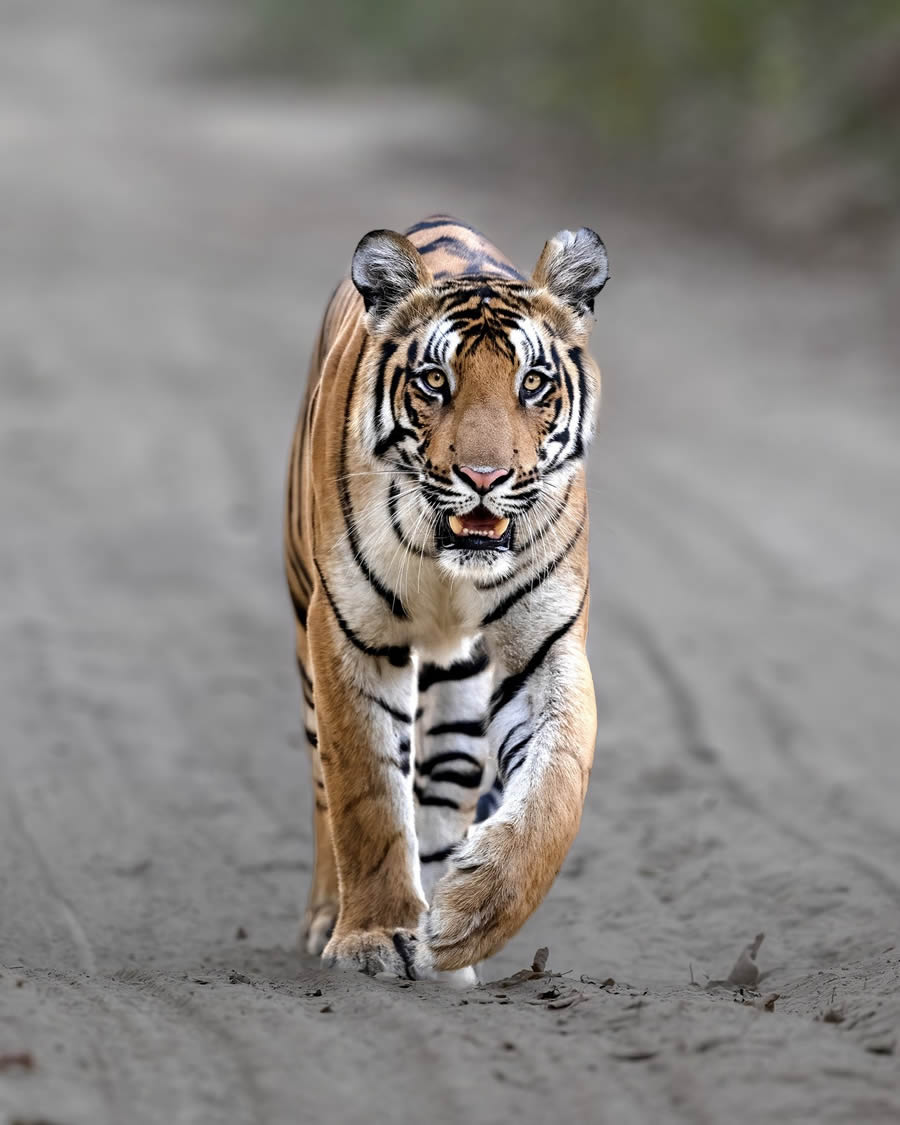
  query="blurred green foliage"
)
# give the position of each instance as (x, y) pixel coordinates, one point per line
(666, 73)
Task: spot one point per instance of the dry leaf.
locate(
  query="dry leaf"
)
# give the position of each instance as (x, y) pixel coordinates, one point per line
(540, 959)
(567, 1001)
(633, 1056)
(745, 973)
(881, 1047)
(608, 983)
(517, 978)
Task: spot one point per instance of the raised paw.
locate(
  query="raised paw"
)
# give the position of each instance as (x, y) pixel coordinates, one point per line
(373, 951)
(484, 898)
(318, 927)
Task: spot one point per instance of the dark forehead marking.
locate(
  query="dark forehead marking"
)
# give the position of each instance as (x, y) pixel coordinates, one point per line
(485, 327)
(484, 312)
(452, 294)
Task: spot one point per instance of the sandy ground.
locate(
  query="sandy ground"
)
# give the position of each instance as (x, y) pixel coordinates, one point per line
(165, 250)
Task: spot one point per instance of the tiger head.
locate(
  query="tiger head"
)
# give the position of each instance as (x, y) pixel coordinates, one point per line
(482, 389)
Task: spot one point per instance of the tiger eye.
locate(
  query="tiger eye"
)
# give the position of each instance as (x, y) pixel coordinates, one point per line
(436, 379)
(532, 381)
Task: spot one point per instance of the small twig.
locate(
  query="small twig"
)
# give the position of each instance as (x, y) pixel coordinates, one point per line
(23, 1059)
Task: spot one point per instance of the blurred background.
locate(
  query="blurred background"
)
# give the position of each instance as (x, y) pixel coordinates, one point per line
(181, 184)
(715, 94)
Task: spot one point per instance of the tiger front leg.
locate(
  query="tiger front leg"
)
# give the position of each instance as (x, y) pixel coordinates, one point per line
(451, 756)
(364, 707)
(322, 904)
(543, 723)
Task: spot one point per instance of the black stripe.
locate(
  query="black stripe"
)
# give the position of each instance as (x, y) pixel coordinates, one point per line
(433, 221)
(508, 736)
(513, 766)
(577, 449)
(299, 607)
(387, 350)
(434, 494)
(504, 765)
(411, 411)
(489, 802)
(402, 759)
(464, 780)
(474, 256)
(427, 766)
(459, 670)
(388, 596)
(563, 437)
(394, 712)
(397, 434)
(575, 355)
(439, 856)
(521, 484)
(395, 383)
(510, 600)
(436, 802)
(398, 655)
(471, 728)
(304, 675)
(311, 737)
(512, 685)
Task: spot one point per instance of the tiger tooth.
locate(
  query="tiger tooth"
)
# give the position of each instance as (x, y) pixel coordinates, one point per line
(456, 525)
(501, 526)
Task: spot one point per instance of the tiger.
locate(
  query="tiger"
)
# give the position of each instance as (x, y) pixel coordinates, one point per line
(436, 552)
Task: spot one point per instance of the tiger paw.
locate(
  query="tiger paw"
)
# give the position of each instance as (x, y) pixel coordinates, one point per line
(373, 951)
(478, 905)
(318, 927)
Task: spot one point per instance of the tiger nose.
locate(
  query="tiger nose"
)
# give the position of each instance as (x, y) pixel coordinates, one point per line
(483, 477)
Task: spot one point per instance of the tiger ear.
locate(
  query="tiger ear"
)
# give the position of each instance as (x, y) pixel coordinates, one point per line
(386, 268)
(574, 268)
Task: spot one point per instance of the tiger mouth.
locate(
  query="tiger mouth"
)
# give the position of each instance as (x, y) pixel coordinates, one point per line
(478, 530)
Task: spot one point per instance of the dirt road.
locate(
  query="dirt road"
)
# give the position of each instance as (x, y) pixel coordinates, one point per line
(165, 250)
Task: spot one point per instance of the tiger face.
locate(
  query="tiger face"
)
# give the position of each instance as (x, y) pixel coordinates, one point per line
(483, 392)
